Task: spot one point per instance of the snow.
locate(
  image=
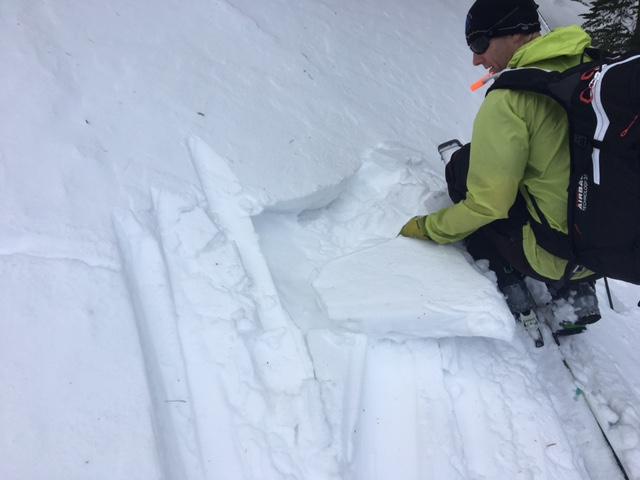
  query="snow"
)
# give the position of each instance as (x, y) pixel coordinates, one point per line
(200, 273)
(558, 13)
(421, 298)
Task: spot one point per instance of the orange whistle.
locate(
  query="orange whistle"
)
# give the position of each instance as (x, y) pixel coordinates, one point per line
(482, 82)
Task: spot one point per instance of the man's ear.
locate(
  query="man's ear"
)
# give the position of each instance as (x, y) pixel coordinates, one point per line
(520, 39)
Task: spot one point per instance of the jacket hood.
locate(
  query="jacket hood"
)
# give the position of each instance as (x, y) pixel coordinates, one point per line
(565, 41)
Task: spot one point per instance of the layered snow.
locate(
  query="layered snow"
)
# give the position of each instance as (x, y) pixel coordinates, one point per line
(412, 288)
(200, 271)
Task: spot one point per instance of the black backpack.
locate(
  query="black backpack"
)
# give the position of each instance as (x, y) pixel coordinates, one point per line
(602, 101)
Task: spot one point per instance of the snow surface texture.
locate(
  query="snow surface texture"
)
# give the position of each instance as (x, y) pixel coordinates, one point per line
(384, 290)
(182, 188)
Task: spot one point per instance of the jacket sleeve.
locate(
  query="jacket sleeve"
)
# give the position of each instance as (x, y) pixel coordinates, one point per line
(499, 156)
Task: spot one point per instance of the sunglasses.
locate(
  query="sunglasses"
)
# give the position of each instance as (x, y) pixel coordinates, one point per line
(480, 43)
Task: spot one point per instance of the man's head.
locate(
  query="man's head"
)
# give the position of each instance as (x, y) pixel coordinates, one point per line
(495, 29)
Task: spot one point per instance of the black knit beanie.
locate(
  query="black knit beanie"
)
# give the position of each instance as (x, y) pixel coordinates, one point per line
(497, 18)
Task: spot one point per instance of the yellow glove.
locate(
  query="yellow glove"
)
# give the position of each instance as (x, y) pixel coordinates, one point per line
(415, 228)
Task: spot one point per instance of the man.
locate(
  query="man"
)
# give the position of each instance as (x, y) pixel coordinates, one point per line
(519, 154)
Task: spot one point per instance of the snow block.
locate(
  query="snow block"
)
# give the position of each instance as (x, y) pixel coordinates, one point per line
(414, 288)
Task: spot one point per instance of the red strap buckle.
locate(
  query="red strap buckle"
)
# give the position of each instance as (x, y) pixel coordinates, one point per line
(586, 96)
(588, 75)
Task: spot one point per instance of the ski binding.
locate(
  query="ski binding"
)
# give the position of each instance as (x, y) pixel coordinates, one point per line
(530, 323)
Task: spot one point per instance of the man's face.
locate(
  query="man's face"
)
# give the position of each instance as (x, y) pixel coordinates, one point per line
(498, 55)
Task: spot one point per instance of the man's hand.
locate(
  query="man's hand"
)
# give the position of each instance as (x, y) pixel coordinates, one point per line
(415, 228)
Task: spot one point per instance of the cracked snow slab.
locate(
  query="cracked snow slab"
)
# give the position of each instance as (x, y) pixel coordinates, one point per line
(413, 288)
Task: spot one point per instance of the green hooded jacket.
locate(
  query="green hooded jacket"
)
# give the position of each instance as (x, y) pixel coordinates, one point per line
(520, 143)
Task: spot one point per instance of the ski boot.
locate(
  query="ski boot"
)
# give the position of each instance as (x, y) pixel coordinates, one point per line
(522, 306)
(448, 148)
(582, 298)
(585, 303)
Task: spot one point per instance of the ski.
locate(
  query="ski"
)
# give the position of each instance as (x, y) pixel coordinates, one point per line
(562, 329)
(581, 393)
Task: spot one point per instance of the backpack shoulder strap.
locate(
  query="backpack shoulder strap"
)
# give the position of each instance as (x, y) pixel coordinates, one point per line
(544, 82)
(560, 86)
(531, 79)
(596, 55)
